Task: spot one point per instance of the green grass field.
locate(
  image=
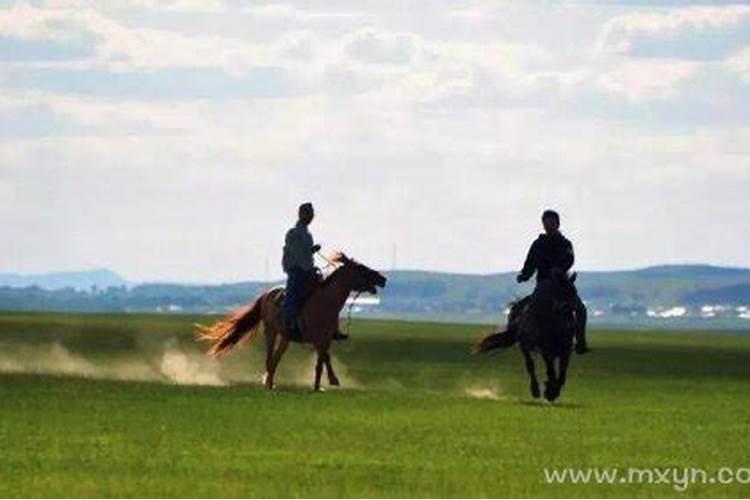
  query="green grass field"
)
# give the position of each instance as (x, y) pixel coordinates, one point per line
(101, 406)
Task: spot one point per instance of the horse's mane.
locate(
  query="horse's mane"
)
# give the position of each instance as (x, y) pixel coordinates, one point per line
(338, 259)
(329, 279)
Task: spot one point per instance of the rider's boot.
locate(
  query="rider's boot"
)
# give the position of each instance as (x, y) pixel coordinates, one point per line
(582, 348)
(580, 332)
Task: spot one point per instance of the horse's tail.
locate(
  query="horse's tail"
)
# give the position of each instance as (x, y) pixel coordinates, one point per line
(238, 328)
(499, 340)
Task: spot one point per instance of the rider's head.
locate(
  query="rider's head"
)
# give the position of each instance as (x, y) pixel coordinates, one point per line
(551, 221)
(306, 213)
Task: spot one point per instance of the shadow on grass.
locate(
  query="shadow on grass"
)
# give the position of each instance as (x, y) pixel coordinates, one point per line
(557, 405)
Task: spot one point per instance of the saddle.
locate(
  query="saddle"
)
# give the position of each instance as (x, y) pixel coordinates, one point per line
(316, 279)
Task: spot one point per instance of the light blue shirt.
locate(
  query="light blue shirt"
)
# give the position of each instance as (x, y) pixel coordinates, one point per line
(298, 249)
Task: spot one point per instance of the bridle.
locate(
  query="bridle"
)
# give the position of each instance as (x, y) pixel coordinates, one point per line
(331, 264)
(349, 312)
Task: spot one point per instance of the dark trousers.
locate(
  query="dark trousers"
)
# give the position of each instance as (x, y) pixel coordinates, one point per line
(297, 287)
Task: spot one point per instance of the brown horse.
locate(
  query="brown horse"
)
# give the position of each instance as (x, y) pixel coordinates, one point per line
(320, 317)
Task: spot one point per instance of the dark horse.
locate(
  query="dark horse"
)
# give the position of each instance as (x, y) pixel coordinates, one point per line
(543, 322)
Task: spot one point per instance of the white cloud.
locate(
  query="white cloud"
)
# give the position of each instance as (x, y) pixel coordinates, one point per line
(435, 129)
(126, 48)
(201, 6)
(739, 63)
(690, 32)
(370, 46)
(290, 12)
(647, 79)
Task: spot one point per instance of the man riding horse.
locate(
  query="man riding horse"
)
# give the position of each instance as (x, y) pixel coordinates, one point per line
(302, 275)
(551, 252)
(306, 312)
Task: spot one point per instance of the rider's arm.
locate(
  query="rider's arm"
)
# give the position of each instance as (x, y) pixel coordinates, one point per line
(529, 267)
(568, 257)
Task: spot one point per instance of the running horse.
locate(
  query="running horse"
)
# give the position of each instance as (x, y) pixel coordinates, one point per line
(544, 322)
(320, 316)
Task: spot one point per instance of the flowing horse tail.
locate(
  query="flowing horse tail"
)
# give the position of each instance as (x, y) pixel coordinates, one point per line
(506, 338)
(239, 327)
(499, 340)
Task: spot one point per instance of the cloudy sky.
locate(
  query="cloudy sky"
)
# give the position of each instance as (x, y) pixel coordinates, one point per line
(173, 140)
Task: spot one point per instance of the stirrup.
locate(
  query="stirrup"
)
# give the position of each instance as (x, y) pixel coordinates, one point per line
(582, 349)
(338, 336)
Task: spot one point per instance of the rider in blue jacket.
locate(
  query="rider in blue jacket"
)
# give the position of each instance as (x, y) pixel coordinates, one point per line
(302, 275)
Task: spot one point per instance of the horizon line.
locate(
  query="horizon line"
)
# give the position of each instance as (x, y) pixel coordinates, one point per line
(432, 271)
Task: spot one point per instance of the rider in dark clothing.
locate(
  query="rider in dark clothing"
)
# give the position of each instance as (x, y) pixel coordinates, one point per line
(552, 251)
(549, 251)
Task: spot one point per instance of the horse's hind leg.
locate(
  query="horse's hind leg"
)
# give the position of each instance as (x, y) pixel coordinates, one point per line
(332, 378)
(270, 337)
(275, 359)
(563, 376)
(534, 385)
(551, 386)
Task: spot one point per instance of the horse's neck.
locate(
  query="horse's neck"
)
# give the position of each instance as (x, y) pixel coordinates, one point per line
(337, 290)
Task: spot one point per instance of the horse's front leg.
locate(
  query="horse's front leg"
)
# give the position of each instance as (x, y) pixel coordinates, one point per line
(332, 378)
(563, 376)
(534, 384)
(551, 386)
(319, 369)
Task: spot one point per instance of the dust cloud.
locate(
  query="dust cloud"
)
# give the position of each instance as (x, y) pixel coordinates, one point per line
(169, 363)
(484, 392)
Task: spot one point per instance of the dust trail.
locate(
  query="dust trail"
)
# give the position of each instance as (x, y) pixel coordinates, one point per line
(50, 358)
(181, 368)
(480, 391)
(167, 364)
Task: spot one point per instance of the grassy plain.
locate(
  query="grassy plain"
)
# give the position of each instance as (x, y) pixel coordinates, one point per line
(126, 405)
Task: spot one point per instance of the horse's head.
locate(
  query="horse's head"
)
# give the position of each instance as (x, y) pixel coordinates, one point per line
(364, 279)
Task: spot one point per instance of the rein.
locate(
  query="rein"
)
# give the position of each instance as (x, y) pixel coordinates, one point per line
(329, 262)
(349, 313)
(335, 265)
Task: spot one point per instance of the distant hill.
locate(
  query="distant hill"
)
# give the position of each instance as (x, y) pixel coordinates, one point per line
(697, 295)
(79, 280)
(733, 295)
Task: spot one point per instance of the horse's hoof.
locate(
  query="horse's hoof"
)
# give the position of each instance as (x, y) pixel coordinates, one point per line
(535, 390)
(551, 393)
(318, 389)
(334, 382)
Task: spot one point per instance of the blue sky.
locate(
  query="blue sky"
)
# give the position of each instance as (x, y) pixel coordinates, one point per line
(173, 140)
